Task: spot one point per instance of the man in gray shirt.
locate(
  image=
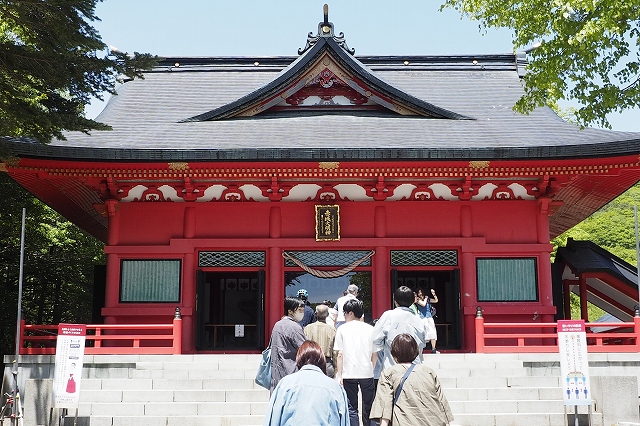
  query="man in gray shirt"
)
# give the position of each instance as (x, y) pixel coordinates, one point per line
(399, 321)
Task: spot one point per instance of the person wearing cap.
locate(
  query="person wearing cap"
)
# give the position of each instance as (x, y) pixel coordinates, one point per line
(309, 314)
(352, 292)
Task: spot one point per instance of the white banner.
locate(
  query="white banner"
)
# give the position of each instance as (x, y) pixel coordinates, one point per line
(574, 362)
(68, 369)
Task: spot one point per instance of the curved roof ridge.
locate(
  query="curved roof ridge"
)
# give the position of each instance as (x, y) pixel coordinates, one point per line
(291, 79)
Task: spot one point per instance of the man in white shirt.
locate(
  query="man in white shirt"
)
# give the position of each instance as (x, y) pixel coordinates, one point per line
(355, 359)
(352, 292)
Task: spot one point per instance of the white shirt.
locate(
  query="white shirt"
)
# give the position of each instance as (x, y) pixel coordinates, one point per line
(355, 340)
(340, 305)
(333, 314)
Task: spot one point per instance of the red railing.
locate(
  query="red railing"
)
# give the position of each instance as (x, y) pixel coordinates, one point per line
(108, 339)
(542, 337)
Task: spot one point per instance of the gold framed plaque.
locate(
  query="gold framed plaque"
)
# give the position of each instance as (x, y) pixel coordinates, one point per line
(328, 223)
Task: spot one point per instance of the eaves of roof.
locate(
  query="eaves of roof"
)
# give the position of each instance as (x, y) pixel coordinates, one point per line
(586, 256)
(24, 147)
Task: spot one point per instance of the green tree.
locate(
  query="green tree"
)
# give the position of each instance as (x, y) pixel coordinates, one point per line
(59, 261)
(589, 51)
(51, 67)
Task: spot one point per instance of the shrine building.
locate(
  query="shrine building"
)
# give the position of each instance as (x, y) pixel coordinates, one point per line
(228, 183)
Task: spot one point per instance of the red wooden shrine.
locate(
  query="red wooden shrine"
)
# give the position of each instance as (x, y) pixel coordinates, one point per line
(216, 169)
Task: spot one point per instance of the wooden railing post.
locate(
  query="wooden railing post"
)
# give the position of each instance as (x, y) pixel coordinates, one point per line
(177, 332)
(23, 329)
(479, 331)
(636, 326)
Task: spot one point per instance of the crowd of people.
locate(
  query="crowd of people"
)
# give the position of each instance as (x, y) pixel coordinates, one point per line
(321, 360)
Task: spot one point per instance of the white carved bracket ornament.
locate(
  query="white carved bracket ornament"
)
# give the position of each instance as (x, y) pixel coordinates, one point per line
(276, 192)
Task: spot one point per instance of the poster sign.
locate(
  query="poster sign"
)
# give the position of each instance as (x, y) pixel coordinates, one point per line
(68, 368)
(328, 223)
(574, 362)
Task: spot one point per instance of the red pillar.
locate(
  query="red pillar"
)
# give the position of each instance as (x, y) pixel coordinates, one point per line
(189, 282)
(381, 292)
(112, 287)
(188, 301)
(381, 285)
(275, 222)
(545, 286)
(479, 332)
(189, 223)
(466, 222)
(542, 221)
(111, 294)
(469, 297)
(380, 222)
(274, 303)
(274, 287)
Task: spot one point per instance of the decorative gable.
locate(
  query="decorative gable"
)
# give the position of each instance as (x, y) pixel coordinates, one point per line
(327, 77)
(326, 86)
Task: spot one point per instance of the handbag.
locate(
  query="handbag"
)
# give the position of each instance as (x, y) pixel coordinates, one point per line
(398, 390)
(263, 377)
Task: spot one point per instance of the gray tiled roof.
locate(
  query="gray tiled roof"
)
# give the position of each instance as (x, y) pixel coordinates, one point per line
(146, 118)
(586, 256)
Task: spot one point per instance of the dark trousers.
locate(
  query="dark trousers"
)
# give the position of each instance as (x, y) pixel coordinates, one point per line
(368, 390)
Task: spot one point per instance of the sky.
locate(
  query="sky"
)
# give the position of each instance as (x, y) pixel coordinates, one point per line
(279, 28)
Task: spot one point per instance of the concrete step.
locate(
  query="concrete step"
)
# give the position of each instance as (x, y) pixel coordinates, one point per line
(519, 419)
(178, 419)
(171, 396)
(502, 394)
(194, 390)
(143, 409)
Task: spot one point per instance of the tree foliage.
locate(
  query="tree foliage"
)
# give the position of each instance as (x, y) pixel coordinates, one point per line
(59, 261)
(589, 50)
(51, 67)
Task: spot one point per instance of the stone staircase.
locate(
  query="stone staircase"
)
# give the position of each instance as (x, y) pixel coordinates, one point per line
(218, 390)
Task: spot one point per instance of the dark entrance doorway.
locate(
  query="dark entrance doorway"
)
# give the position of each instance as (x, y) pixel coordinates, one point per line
(229, 310)
(446, 283)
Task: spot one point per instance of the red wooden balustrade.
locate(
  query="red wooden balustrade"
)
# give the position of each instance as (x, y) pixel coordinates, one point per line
(542, 337)
(108, 339)
(116, 339)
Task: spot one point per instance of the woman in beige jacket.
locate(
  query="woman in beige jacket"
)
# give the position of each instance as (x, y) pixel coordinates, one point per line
(420, 402)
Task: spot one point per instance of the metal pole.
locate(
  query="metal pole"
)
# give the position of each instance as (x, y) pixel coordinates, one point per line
(15, 391)
(635, 217)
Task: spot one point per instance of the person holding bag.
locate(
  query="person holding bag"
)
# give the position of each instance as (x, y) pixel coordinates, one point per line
(308, 397)
(286, 338)
(409, 394)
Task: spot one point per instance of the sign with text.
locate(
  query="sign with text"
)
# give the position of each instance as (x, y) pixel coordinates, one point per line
(328, 223)
(68, 367)
(574, 362)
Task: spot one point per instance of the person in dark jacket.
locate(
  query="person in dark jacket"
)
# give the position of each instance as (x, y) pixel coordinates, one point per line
(309, 314)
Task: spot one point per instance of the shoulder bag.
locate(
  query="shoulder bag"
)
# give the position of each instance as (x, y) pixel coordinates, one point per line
(263, 377)
(397, 394)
